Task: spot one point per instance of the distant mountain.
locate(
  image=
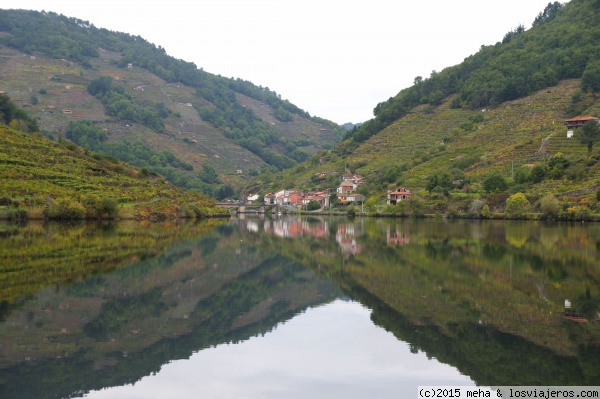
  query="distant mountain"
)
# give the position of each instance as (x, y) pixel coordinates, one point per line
(221, 131)
(498, 115)
(350, 125)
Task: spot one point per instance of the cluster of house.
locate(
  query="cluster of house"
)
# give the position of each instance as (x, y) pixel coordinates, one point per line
(346, 193)
(296, 198)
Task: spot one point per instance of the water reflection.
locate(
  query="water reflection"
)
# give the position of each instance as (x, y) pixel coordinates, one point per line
(484, 297)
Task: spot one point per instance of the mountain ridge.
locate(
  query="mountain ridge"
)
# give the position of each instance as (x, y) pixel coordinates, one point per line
(52, 54)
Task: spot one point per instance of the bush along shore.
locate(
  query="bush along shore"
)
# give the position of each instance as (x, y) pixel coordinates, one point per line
(490, 206)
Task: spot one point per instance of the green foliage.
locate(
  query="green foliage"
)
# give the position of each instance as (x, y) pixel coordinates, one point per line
(86, 134)
(538, 173)
(556, 166)
(548, 14)
(590, 79)
(100, 207)
(312, 206)
(225, 191)
(516, 205)
(64, 209)
(486, 212)
(495, 183)
(15, 116)
(550, 206)
(209, 175)
(522, 175)
(441, 183)
(589, 134)
(100, 86)
(124, 107)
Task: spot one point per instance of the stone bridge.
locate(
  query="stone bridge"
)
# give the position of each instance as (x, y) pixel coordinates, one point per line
(259, 209)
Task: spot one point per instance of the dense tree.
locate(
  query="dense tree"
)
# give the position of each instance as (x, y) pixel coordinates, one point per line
(590, 79)
(224, 192)
(100, 86)
(18, 118)
(538, 173)
(548, 14)
(209, 175)
(495, 183)
(589, 134)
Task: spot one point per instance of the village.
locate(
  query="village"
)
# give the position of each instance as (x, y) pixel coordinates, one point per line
(346, 193)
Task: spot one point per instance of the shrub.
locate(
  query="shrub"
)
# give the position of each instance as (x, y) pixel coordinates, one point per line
(550, 206)
(516, 205)
(522, 175)
(351, 210)
(578, 213)
(476, 208)
(485, 212)
(313, 206)
(64, 209)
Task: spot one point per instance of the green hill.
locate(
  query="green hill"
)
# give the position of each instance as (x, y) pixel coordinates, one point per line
(445, 136)
(210, 124)
(45, 179)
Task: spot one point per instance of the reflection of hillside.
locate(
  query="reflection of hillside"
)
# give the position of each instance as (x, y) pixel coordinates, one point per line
(34, 254)
(115, 328)
(461, 278)
(487, 355)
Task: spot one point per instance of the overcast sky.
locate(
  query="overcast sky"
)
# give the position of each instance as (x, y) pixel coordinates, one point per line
(333, 58)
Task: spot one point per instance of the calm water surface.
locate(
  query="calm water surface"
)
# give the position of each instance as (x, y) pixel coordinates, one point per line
(294, 307)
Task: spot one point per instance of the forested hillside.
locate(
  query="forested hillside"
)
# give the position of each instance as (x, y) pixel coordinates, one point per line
(468, 138)
(202, 131)
(562, 44)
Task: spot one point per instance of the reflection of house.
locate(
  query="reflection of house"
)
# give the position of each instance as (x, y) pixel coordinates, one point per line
(346, 239)
(396, 238)
(580, 121)
(296, 228)
(401, 194)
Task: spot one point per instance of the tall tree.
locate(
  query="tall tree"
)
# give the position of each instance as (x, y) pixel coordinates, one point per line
(590, 134)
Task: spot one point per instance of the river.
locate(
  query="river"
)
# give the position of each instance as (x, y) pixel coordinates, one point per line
(295, 307)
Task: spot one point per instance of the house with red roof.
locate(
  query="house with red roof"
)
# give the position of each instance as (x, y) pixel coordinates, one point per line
(401, 194)
(579, 121)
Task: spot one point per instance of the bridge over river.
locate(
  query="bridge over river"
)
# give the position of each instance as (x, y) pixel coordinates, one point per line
(260, 209)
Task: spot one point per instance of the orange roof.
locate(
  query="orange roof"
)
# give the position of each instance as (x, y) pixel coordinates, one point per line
(582, 118)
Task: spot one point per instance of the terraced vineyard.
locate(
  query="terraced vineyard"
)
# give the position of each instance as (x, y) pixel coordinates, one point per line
(37, 173)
